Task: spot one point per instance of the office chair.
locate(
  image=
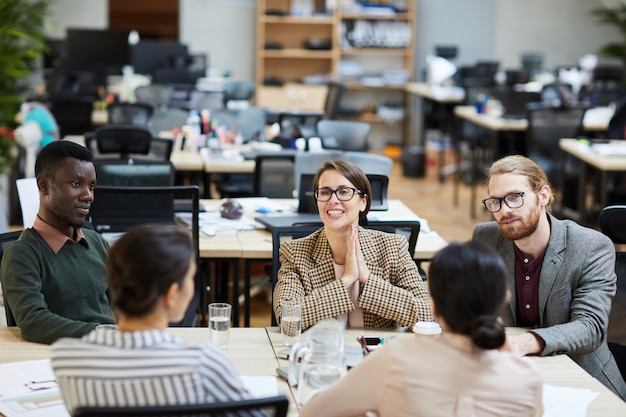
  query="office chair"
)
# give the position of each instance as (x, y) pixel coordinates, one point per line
(138, 114)
(310, 162)
(276, 406)
(279, 236)
(370, 163)
(617, 124)
(343, 135)
(238, 93)
(73, 114)
(156, 95)
(123, 139)
(546, 126)
(5, 240)
(613, 224)
(166, 119)
(209, 100)
(250, 123)
(274, 175)
(117, 208)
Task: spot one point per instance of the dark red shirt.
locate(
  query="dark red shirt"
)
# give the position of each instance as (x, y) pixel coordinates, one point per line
(527, 273)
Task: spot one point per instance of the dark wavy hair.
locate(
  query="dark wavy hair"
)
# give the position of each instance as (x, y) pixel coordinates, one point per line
(144, 263)
(54, 155)
(467, 282)
(353, 173)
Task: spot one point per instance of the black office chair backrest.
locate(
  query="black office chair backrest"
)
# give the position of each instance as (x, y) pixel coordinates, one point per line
(117, 208)
(344, 135)
(138, 114)
(617, 124)
(546, 126)
(274, 175)
(279, 236)
(276, 406)
(123, 140)
(5, 240)
(613, 223)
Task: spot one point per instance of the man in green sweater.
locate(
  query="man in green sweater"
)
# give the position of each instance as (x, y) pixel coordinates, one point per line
(53, 276)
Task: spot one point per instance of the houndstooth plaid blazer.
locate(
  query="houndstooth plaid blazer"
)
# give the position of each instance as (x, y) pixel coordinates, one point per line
(394, 294)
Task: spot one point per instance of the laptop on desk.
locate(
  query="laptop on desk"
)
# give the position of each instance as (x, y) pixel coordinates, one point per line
(284, 220)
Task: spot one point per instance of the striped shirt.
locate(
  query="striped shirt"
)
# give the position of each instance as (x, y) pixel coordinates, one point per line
(146, 368)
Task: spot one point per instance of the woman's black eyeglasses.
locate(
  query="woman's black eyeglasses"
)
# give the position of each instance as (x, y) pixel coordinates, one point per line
(343, 193)
(513, 200)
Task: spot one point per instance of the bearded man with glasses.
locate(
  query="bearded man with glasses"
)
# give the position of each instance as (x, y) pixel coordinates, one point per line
(561, 275)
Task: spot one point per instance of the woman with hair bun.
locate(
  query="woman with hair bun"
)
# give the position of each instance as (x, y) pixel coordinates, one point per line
(468, 371)
(150, 271)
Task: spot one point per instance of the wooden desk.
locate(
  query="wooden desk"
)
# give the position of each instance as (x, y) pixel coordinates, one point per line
(500, 127)
(249, 350)
(253, 351)
(586, 157)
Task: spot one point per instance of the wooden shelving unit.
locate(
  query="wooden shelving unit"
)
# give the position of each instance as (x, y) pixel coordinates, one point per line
(282, 55)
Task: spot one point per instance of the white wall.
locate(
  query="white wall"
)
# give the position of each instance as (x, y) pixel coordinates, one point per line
(92, 14)
(223, 29)
(563, 30)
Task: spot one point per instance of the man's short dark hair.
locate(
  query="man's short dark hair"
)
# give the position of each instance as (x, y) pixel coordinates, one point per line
(52, 156)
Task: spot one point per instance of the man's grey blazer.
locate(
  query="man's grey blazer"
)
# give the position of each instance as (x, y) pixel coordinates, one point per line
(576, 287)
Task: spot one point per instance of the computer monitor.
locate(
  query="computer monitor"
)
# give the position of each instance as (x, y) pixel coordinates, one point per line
(108, 49)
(147, 56)
(56, 53)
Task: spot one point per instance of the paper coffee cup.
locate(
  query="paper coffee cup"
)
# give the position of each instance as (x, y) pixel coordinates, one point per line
(427, 328)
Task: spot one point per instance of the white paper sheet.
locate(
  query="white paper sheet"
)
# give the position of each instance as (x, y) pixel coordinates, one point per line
(29, 389)
(565, 401)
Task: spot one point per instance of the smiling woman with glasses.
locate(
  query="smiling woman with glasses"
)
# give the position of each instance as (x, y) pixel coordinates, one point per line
(363, 277)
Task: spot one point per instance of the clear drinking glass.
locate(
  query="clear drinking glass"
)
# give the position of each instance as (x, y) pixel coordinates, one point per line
(219, 324)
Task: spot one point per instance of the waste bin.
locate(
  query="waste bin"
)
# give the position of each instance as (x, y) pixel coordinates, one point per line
(414, 161)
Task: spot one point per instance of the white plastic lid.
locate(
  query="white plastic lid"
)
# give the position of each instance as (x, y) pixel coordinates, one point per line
(427, 327)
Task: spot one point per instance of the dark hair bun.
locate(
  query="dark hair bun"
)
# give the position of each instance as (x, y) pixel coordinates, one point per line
(488, 332)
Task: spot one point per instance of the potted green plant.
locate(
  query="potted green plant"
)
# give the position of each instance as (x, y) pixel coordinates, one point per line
(613, 14)
(22, 31)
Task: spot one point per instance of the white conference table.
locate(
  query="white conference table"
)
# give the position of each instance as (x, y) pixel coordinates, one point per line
(253, 352)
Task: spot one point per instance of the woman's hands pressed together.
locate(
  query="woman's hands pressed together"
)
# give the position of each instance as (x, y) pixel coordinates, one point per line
(355, 267)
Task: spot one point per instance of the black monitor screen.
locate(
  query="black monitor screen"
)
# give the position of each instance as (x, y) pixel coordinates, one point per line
(149, 56)
(98, 48)
(55, 54)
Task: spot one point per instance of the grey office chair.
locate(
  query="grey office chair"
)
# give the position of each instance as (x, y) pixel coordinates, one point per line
(276, 406)
(5, 240)
(274, 175)
(138, 114)
(166, 119)
(157, 95)
(343, 135)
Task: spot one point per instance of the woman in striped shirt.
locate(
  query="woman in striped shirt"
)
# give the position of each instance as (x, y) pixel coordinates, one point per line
(151, 278)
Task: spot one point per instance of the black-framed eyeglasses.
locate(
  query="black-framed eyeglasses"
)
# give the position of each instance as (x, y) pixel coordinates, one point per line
(343, 193)
(513, 200)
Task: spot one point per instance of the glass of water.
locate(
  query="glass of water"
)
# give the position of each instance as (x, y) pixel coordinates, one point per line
(219, 324)
(290, 322)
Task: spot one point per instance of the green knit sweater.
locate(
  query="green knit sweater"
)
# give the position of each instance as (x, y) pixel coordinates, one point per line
(53, 296)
